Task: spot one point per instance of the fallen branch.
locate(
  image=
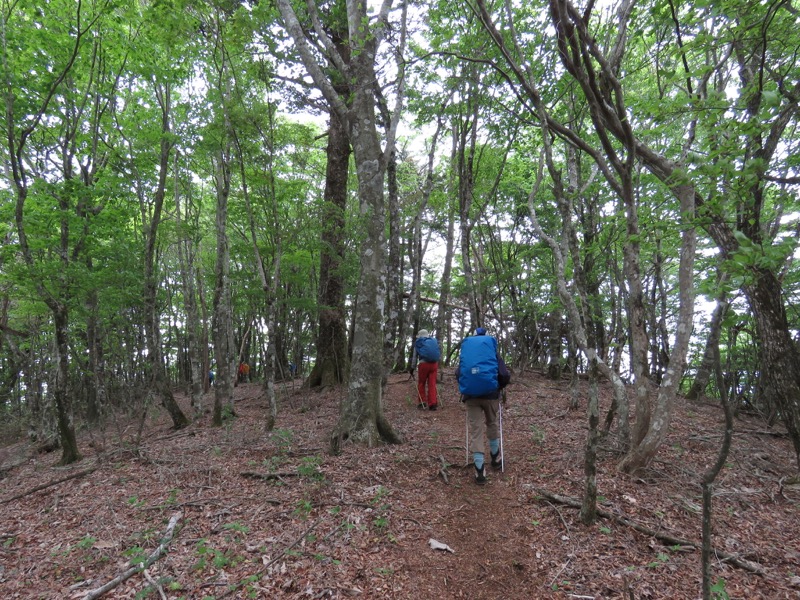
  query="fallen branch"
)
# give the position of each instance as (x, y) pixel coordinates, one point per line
(443, 469)
(154, 556)
(49, 484)
(254, 475)
(668, 539)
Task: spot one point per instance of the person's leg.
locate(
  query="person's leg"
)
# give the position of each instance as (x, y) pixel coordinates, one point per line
(433, 397)
(421, 376)
(491, 409)
(476, 437)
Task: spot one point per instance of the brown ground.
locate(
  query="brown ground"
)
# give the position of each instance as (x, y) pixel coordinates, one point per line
(358, 525)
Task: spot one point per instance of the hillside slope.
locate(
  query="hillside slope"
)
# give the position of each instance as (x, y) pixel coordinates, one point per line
(260, 515)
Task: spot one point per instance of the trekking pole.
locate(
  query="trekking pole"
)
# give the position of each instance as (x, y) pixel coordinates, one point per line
(466, 443)
(500, 420)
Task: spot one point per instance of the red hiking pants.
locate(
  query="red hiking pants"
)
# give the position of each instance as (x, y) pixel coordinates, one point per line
(426, 373)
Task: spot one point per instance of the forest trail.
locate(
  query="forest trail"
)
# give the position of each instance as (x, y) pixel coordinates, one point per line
(273, 515)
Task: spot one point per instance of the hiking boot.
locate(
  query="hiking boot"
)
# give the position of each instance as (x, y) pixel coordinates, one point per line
(480, 475)
(497, 462)
(433, 407)
(422, 406)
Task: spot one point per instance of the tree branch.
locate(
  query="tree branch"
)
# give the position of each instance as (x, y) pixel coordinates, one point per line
(673, 541)
(154, 556)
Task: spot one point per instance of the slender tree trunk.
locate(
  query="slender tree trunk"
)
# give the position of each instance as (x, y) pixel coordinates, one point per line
(711, 474)
(704, 371)
(186, 253)
(589, 504)
(95, 400)
(66, 431)
(467, 141)
(394, 274)
(443, 319)
(159, 381)
(221, 316)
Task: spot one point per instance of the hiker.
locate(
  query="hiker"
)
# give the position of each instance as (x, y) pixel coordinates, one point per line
(482, 375)
(425, 357)
(244, 372)
(210, 377)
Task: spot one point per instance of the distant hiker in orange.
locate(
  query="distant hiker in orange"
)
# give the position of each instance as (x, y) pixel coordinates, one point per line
(244, 372)
(426, 352)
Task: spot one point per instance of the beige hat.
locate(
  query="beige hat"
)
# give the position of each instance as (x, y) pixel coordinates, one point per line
(423, 333)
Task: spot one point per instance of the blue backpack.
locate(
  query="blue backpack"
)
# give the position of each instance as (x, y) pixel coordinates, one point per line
(478, 366)
(428, 349)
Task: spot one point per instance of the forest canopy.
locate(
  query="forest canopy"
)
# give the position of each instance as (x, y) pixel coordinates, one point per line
(187, 186)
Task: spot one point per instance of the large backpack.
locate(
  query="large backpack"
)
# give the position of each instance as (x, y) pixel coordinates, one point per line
(477, 372)
(428, 349)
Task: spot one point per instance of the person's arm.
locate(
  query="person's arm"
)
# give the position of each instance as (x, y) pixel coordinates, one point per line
(503, 375)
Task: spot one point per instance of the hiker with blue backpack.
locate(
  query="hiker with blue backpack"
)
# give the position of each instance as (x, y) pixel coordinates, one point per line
(425, 359)
(482, 375)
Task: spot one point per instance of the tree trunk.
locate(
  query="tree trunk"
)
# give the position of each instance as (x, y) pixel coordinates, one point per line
(589, 505)
(704, 371)
(221, 316)
(96, 396)
(443, 320)
(711, 474)
(361, 417)
(186, 253)
(158, 376)
(332, 364)
(777, 352)
(66, 431)
(467, 141)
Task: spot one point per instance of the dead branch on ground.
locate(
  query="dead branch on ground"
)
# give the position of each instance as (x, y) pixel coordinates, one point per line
(49, 484)
(443, 469)
(254, 475)
(668, 539)
(154, 556)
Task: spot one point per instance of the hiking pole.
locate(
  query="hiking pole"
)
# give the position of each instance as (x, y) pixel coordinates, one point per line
(466, 443)
(500, 421)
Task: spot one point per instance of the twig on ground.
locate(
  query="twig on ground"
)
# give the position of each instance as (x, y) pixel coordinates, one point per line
(254, 475)
(671, 540)
(443, 469)
(558, 416)
(561, 570)
(155, 584)
(154, 556)
(283, 552)
(49, 484)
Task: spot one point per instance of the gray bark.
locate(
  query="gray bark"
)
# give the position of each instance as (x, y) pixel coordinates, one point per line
(361, 417)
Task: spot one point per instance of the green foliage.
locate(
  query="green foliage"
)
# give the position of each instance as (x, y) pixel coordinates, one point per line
(661, 559)
(309, 468)
(236, 527)
(718, 591)
(209, 557)
(86, 543)
(303, 509)
(136, 555)
(135, 502)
